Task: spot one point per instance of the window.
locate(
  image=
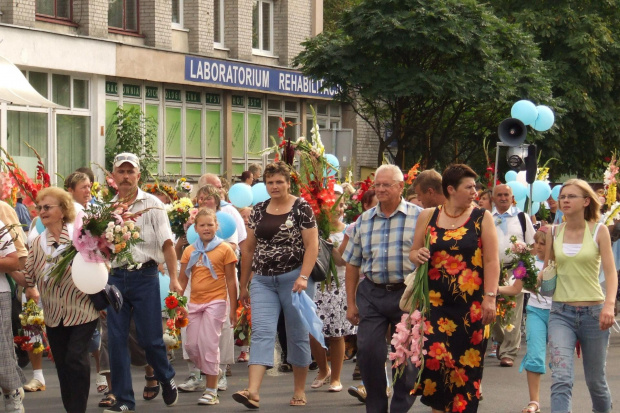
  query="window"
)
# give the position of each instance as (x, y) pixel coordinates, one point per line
(55, 9)
(123, 15)
(177, 14)
(218, 22)
(262, 26)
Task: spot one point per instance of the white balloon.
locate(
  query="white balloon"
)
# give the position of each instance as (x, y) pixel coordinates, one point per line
(89, 277)
(521, 178)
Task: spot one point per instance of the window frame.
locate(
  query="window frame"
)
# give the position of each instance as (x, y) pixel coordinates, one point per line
(55, 18)
(124, 29)
(180, 24)
(260, 50)
(220, 18)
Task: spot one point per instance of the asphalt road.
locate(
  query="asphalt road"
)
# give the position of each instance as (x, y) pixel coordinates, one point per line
(504, 390)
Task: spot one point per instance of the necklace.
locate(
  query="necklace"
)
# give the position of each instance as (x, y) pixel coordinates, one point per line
(444, 209)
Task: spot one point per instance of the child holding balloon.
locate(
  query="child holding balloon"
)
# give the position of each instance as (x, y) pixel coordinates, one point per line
(208, 265)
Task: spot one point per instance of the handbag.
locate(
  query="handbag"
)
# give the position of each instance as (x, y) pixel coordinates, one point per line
(405, 299)
(109, 296)
(549, 275)
(323, 261)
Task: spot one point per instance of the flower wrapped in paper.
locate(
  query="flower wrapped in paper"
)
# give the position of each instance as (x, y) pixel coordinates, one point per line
(32, 326)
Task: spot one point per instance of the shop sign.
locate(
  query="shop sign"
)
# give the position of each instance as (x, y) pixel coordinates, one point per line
(192, 97)
(131, 90)
(253, 77)
(238, 101)
(212, 99)
(255, 103)
(173, 95)
(152, 92)
(111, 88)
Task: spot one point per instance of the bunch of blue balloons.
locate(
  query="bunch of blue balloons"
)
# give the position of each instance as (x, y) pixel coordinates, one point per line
(540, 117)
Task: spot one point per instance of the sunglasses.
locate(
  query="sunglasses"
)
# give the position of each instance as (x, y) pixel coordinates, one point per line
(45, 208)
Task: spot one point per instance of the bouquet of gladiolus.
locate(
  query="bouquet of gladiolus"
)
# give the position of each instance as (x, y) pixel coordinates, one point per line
(408, 340)
(22, 182)
(33, 324)
(524, 264)
(177, 315)
(243, 328)
(103, 233)
(505, 304)
(179, 214)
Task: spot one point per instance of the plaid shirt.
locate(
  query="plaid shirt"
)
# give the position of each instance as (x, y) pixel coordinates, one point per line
(380, 245)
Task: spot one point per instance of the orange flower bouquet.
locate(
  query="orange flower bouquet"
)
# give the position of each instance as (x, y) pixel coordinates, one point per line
(176, 312)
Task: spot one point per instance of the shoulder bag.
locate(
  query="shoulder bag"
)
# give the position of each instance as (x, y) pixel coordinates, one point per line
(323, 261)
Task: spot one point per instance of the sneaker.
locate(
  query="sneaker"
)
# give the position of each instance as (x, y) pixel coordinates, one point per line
(169, 392)
(193, 384)
(493, 352)
(243, 357)
(120, 407)
(359, 392)
(222, 382)
(209, 398)
(13, 401)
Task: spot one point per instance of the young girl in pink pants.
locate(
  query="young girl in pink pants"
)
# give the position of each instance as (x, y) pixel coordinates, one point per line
(209, 263)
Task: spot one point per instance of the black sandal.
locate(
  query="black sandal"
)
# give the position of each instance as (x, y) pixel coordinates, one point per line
(150, 389)
(108, 401)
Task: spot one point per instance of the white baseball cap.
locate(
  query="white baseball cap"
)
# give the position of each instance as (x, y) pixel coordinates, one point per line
(121, 158)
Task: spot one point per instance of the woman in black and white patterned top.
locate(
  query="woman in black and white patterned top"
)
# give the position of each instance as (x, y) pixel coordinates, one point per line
(281, 249)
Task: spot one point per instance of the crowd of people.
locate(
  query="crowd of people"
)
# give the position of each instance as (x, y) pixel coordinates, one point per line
(266, 267)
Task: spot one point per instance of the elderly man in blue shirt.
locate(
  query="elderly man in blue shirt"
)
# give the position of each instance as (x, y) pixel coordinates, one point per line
(379, 249)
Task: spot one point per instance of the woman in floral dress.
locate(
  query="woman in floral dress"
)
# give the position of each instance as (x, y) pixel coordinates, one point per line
(463, 280)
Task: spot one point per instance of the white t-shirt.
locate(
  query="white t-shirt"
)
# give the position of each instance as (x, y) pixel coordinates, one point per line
(537, 300)
(4, 283)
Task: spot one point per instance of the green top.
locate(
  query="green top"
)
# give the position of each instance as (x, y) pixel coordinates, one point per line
(578, 275)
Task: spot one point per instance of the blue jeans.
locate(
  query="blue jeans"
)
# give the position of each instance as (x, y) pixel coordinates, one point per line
(536, 327)
(270, 295)
(141, 301)
(567, 324)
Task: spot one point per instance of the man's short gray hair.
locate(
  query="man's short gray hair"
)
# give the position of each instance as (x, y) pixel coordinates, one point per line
(395, 170)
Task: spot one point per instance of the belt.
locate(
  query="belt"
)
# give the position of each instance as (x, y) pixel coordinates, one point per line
(148, 264)
(390, 287)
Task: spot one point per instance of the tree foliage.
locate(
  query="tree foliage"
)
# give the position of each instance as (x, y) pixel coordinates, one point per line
(433, 78)
(332, 10)
(580, 41)
(132, 131)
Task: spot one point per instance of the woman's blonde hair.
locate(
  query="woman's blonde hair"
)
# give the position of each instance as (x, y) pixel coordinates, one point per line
(65, 201)
(211, 191)
(592, 211)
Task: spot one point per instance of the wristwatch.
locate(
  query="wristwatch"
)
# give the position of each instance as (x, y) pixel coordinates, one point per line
(303, 277)
(490, 294)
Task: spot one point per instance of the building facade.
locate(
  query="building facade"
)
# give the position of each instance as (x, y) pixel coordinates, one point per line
(214, 74)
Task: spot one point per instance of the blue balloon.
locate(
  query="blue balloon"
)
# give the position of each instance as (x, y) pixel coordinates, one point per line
(535, 208)
(519, 191)
(259, 193)
(540, 191)
(226, 225)
(510, 176)
(521, 204)
(545, 119)
(240, 195)
(192, 235)
(525, 111)
(555, 192)
(333, 165)
(164, 287)
(39, 225)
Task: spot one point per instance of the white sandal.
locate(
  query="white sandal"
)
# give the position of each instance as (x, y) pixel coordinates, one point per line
(532, 407)
(102, 383)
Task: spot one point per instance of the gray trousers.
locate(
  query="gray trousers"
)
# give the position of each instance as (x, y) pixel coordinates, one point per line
(510, 340)
(378, 309)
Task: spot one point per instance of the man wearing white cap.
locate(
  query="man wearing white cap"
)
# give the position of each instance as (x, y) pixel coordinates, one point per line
(140, 289)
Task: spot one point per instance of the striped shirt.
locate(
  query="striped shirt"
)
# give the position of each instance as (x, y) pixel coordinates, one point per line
(154, 229)
(62, 301)
(380, 244)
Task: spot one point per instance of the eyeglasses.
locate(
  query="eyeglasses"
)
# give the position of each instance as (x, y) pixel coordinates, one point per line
(570, 197)
(45, 208)
(386, 186)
